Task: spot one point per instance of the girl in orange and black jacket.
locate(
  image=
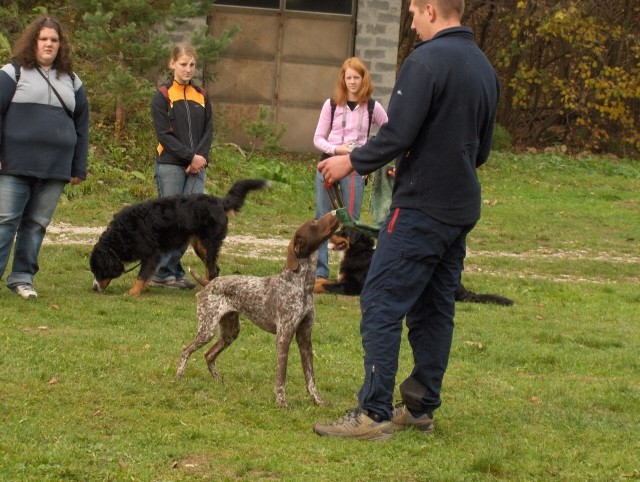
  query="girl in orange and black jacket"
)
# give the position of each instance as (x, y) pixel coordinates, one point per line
(183, 122)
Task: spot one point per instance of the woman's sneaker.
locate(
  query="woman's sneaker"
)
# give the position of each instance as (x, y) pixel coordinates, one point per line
(186, 283)
(169, 282)
(402, 418)
(25, 291)
(172, 282)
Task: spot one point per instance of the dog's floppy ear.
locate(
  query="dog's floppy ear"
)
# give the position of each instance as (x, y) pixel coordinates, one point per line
(104, 264)
(292, 255)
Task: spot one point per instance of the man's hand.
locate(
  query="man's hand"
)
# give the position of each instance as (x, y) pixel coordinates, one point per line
(392, 173)
(335, 168)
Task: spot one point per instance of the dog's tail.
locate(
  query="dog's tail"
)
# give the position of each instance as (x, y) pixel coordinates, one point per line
(234, 200)
(342, 288)
(465, 295)
(198, 278)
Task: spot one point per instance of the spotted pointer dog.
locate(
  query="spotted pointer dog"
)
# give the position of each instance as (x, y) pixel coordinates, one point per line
(281, 304)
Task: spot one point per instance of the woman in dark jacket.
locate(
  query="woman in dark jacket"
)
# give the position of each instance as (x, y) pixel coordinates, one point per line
(183, 122)
(44, 142)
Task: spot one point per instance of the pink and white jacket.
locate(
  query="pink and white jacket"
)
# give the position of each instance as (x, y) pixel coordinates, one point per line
(348, 126)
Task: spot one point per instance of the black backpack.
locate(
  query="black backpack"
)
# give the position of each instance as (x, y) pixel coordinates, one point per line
(370, 105)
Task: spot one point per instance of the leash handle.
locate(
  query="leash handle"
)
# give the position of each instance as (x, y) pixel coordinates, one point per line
(335, 194)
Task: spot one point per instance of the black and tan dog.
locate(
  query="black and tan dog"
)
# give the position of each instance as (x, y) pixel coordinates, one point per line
(153, 228)
(356, 250)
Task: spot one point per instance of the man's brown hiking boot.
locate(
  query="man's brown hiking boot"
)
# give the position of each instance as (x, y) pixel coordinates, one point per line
(403, 419)
(356, 424)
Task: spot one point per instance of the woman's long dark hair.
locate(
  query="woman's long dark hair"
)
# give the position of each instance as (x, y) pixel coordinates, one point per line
(24, 50)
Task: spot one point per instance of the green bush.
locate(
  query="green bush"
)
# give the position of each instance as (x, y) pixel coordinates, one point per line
(501, 138)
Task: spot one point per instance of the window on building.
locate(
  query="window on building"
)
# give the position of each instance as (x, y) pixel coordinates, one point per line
(341, 7)
(251, 3)
(325, 6)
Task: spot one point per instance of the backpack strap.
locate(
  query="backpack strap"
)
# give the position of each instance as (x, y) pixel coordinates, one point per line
(164, 90)
(16, 66)
(333, 113)
(201, 90)
(370, 106)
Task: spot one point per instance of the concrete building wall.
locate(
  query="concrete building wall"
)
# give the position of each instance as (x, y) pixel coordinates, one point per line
(377, 26)
(377, 38)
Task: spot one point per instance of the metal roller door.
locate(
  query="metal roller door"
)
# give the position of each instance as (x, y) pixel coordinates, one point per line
(286, 56)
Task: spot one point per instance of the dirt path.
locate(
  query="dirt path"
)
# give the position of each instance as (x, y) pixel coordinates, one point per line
(274, 249)
(248, 246)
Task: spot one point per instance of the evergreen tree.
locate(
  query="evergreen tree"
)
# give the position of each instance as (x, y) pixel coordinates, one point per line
(126, 42)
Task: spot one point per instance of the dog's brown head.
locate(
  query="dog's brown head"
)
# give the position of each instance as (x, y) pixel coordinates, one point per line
(308, 238)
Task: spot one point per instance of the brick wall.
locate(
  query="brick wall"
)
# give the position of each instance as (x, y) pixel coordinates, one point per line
(378, 30)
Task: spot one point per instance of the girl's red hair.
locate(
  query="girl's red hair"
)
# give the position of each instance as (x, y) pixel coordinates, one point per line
(366, 88)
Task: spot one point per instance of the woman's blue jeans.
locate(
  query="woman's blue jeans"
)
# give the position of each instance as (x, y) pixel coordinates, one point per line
(172, 180)
(27, 205)
(352, 191)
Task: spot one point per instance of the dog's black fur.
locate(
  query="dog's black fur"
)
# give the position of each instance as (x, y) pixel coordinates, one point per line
(148, 230)
(357, 249)
(463, 294)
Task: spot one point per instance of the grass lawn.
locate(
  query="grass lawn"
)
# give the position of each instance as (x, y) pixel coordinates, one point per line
(548, 389)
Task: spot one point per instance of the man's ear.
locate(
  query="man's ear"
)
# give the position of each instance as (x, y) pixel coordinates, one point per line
(431, 12)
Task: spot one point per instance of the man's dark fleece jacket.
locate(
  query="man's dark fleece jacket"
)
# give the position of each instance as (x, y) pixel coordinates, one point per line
(445, 92)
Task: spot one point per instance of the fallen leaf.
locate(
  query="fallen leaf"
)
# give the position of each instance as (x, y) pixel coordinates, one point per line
(53, 381)
(43, 328)
(122, 464)
(535, 400)
(478, 344)
(147, 346)
(55, 307)
(174, 465)
(634, 475)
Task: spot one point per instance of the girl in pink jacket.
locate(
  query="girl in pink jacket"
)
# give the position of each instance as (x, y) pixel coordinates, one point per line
(345, 123)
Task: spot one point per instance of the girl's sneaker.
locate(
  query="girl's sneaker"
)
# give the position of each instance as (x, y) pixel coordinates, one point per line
(25, 291)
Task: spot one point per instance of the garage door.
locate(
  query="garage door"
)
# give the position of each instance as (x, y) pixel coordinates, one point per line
(287, 55)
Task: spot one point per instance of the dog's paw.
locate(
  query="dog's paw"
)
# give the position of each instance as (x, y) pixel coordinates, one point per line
(322, 402)
(281, 399)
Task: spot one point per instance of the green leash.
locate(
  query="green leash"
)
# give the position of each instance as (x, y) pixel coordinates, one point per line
(335, 197)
